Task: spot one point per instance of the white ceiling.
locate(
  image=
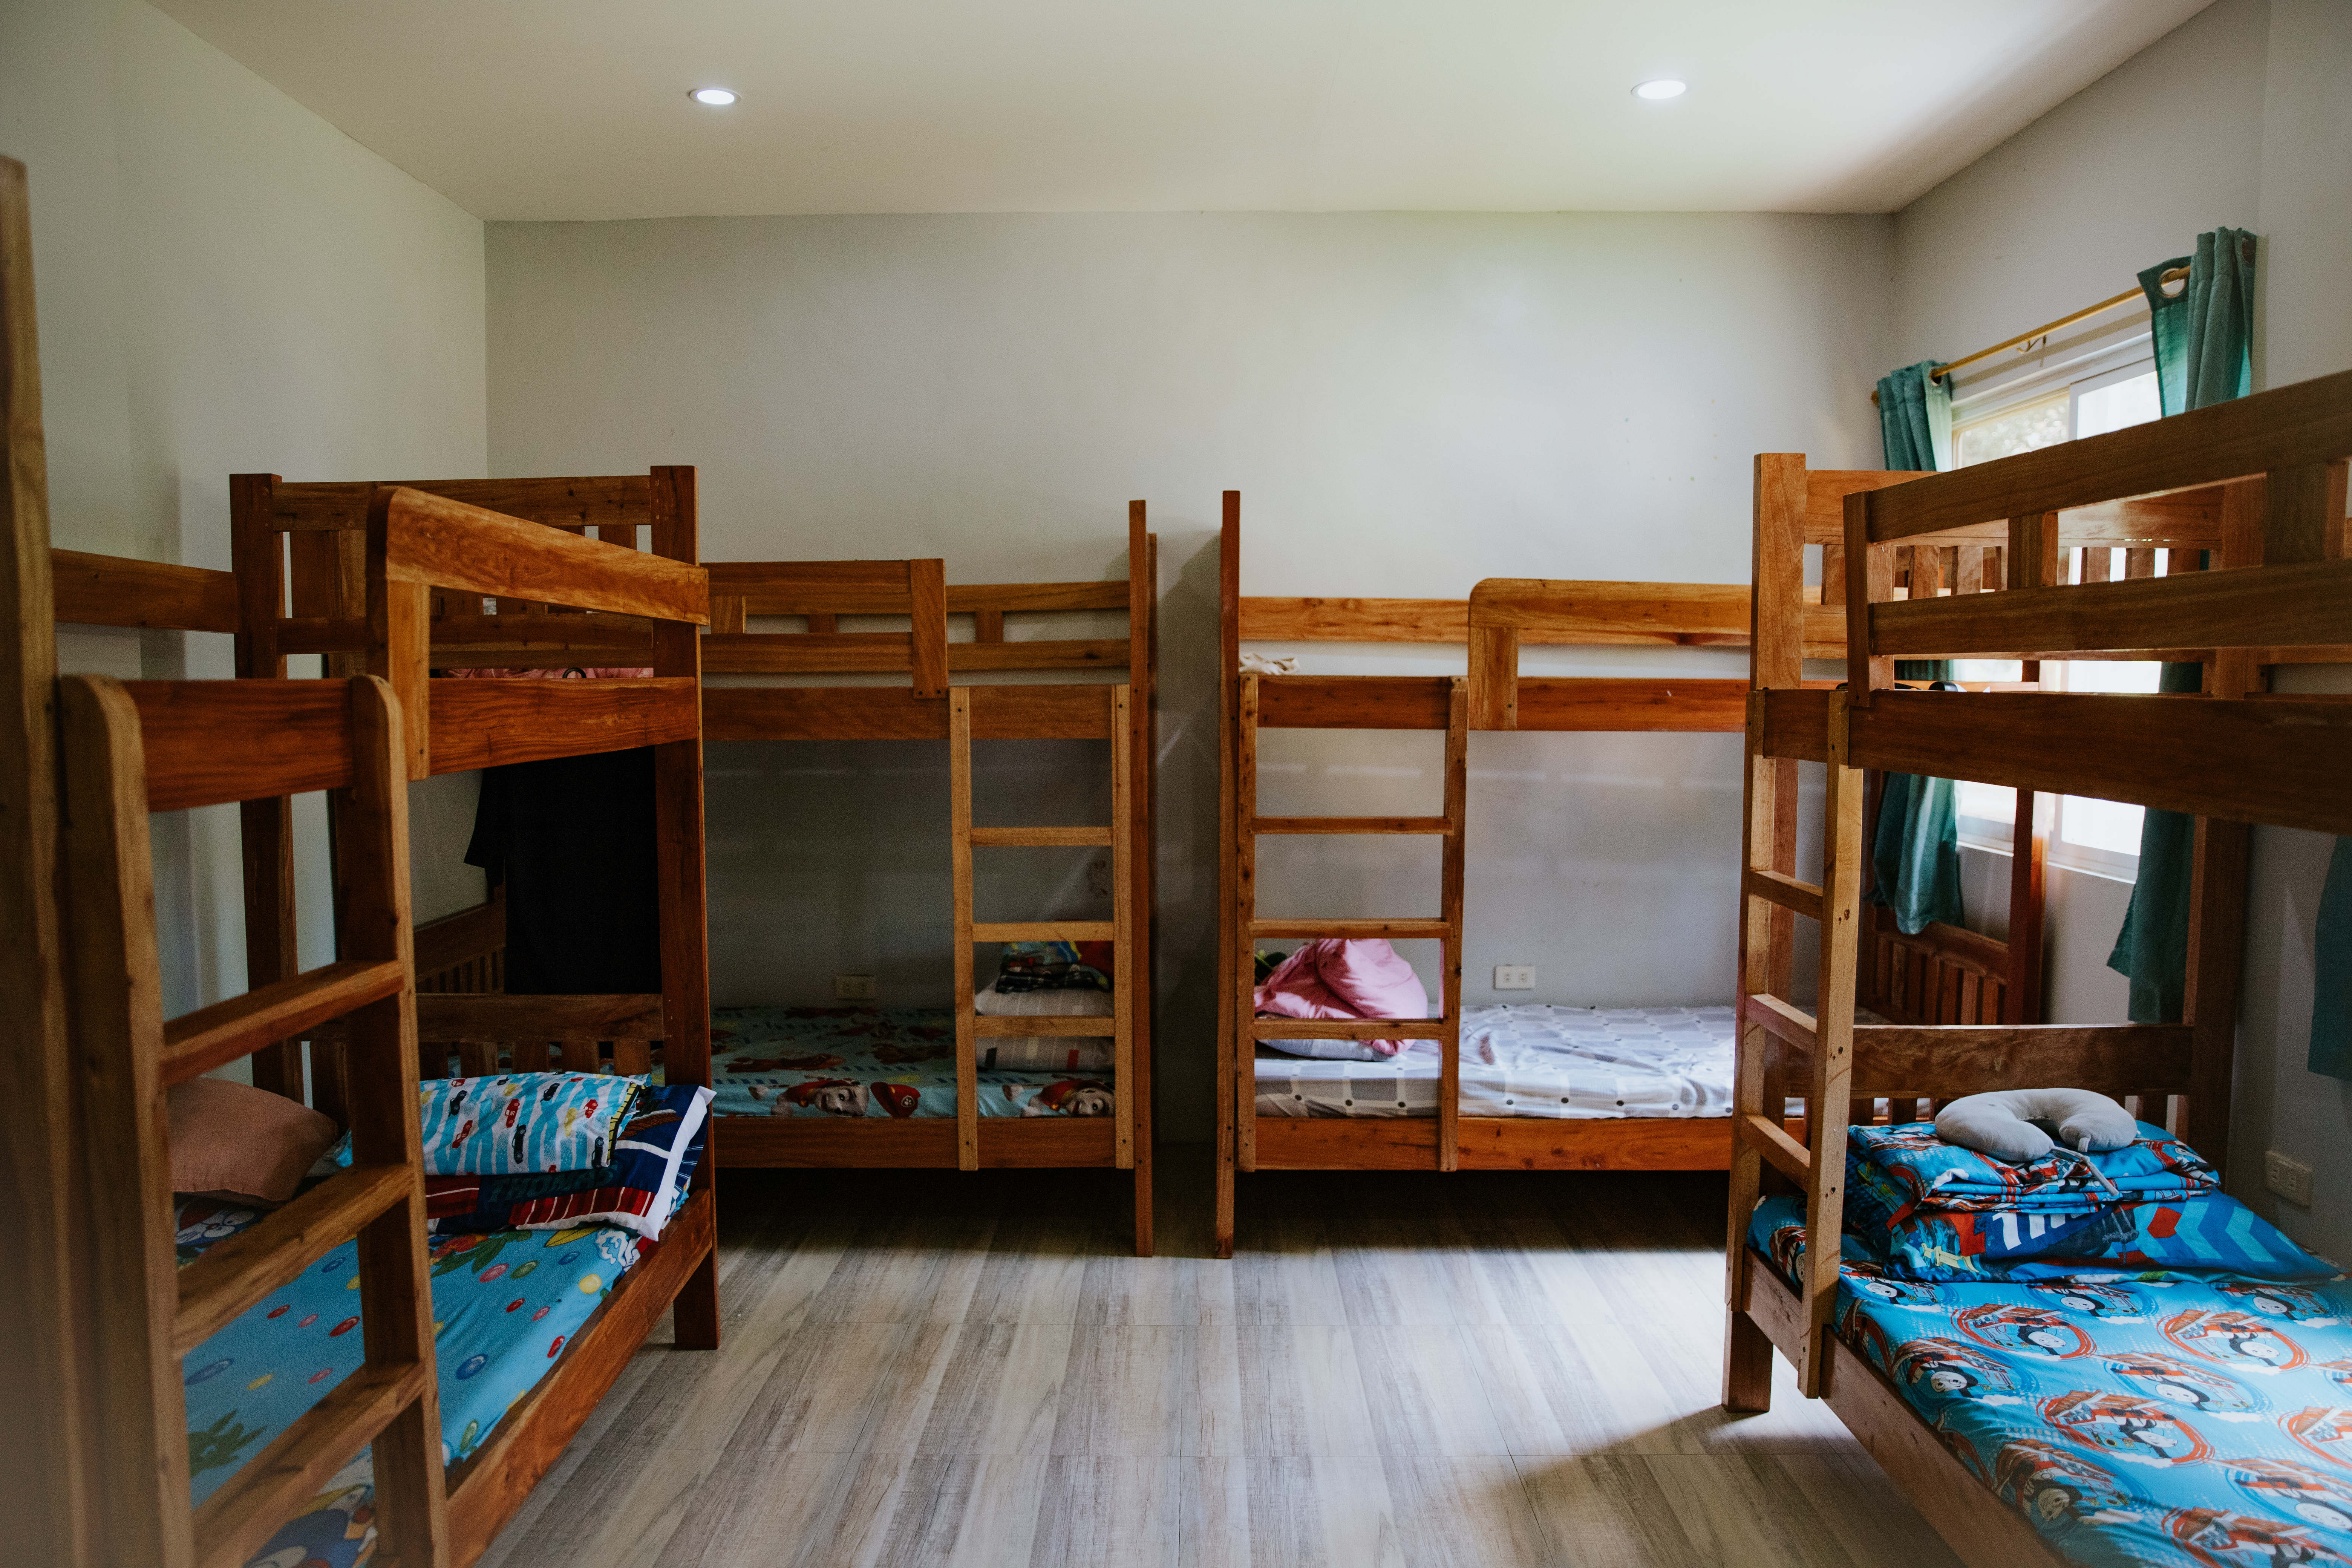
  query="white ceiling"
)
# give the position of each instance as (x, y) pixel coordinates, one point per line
(578, 108)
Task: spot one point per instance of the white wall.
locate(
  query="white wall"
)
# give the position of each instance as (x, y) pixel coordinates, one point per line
(226, 283)
(1407, 402)
(2240, 117)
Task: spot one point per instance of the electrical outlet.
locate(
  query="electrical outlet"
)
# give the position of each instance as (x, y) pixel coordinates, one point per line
(2290, 1179)
(1098, 876)
(853, 988)
(1515, 977)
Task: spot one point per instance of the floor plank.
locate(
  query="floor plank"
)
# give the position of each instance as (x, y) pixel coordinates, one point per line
(941, 1370)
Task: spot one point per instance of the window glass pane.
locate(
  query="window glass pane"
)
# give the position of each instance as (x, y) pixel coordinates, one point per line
(1993, 806)
(2103, 674)
(2100, 823)
(2117, 405)
(2026, 430)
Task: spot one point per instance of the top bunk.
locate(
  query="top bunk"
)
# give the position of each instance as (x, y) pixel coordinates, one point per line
(2254, 487)
(402, 580)
(911, 637)
(1501, 616)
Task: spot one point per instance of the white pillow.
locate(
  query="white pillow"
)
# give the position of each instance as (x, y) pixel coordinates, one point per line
(1079, 1003)
(2001, 1123)
(1328, 1050)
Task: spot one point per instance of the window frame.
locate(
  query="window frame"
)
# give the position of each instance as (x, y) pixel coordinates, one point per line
(2086, 363)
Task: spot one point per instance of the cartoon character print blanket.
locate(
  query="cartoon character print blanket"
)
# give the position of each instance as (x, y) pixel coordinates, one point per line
(875, 1061)
(2162, 1415)
(504, 1306)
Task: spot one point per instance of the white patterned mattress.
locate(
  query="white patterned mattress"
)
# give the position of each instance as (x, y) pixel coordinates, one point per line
(1529, 1060)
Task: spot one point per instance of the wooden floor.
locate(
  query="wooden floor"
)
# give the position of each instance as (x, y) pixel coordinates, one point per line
(1483, 1370)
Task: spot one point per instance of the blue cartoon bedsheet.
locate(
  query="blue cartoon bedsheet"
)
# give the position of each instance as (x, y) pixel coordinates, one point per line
(2162, 1417)
(504, 1307)
(875, 1061)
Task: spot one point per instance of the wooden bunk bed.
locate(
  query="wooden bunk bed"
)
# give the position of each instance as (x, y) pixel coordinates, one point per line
(1058, 690)
(2260, 483)
(381, 574)
(1501, 616)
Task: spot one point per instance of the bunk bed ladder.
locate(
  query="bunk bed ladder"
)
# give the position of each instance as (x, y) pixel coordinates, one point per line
(1119, 930)
(1446, 928)
(145, 1312)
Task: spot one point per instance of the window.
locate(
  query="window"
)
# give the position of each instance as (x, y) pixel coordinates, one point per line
(2024, 414)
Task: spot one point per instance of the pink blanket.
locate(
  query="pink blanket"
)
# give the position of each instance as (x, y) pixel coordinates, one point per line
(1334, 978)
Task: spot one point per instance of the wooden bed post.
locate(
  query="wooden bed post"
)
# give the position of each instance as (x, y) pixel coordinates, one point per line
(2217, 948)
(1457, 809)
(1833, 1053)
(1122, 919)
(45, 1493)
(380, 1073)
(960, 838)
(1231, 1086)
(681, 867)
(1243, 939)
(1766, 958)
(1138, 828)
(266, 826)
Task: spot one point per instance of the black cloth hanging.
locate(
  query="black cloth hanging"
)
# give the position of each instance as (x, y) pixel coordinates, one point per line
(571, 840)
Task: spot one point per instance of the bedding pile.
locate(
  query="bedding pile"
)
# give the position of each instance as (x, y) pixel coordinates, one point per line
(1527, 1061)
(899, 1062)
(2140, 1364)
(517, 1271)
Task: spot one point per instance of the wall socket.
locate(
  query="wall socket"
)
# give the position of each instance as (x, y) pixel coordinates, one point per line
(853, 988)
(1098, 876)
(1515, 977)
(2290, 1179)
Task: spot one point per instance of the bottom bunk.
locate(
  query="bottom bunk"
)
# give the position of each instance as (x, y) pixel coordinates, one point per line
(2130, 1408)
(1544, 1087)
(531, 1327)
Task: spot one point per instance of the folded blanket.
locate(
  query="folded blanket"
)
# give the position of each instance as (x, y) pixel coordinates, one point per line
(1893, 1171)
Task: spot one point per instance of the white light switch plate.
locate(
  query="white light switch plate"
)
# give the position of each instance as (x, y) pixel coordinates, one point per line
(2290, 1179)
(853, 988)
(1515, 977)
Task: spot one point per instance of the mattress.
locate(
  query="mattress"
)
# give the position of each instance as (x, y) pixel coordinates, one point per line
(504, 1306)
(883, 1062)
(2181, 1416)
(1529, 1060)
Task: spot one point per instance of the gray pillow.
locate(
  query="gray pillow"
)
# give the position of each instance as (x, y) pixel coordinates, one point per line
(2018, 1124)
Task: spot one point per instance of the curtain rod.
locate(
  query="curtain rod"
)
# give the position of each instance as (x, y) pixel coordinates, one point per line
(2172, 275)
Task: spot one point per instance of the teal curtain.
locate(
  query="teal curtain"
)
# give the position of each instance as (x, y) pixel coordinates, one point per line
(1914, 857)
(1915, 419)
(2331, 1005)
(2152, 949)
(2204, 335)
(2204, 355)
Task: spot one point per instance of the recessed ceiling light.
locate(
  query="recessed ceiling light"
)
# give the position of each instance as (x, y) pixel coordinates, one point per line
(719, 97)
(1664, 87)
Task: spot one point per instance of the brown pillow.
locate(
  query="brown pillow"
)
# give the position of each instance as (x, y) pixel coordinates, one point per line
(230, 1137)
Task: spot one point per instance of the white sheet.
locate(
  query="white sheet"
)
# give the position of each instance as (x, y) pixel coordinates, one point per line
(1529, 1060)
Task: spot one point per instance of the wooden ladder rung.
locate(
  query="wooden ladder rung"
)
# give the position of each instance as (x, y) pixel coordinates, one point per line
(1404, 928)
(1043, 931)
(1803, 898)
(1434, 825)
(272, 1487)
(195, 1043)
(997, 1028)
(234, 1274)
(1783, 1020)
(1351, 1028)
(1769, 1139)
(1036, 837)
